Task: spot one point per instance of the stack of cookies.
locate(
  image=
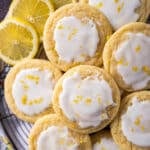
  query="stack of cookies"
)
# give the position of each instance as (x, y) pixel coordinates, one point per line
(93, 91)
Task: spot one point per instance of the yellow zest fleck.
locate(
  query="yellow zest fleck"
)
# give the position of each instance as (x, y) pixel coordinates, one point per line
(33, 78)
(24, 85)
(88, 101)
(79, 97)
(119, 8)
(61, 141)
(60, 27)
(138, 48)
(37, 101)
(76, 101)
(73, 33)
(99, 5)
(24, 99)
(146, 69)
(121, 61)
(142, 128)
(135, 68)
(99, 100)
(116, 1)
(137, 121)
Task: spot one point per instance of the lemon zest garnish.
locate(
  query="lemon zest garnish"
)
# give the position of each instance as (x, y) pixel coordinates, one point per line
(33, 78)
(73, 33)
(88, 101)
(99, 5)
(24, 85)
(24, 99)
(79, 97)
(121, 61)
(142, 128)
(138, 48)
(116, 1)
(135, 68)
(60, 27)
(76, 101)
(99, 100)
(146, 69)
(119, 8)
(137, 121)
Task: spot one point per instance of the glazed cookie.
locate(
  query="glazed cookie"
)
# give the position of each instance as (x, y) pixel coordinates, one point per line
(75, 34)
(29, 87)
(126, 56)
(86, 98)
(50, 133)
(131, 128)
(103, 141)
(121, 12)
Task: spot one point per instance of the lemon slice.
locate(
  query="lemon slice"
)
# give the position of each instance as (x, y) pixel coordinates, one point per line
(18, 41)
(35, 12)
(59, 3)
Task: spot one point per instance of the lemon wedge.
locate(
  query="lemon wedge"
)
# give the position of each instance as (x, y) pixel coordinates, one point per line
(59, 3)
(18, 41)
(35, 12)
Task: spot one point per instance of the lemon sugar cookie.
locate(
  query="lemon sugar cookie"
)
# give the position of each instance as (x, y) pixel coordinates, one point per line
(126, 56)
(131, 127)
(50, 133)
(29, 88)
(121, 12)
(86, 98)
(103, 141)
(75, 34)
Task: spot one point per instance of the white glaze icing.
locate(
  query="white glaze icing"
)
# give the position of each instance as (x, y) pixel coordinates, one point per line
(32, 90)
(105, 144)
(133, 60)
(75, 39)
(119, 12)
(135, 123)
(56, 138)
(85, 100)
